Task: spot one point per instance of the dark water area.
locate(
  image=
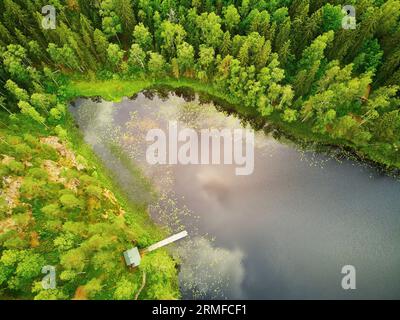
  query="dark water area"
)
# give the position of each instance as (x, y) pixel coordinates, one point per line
(284, 231)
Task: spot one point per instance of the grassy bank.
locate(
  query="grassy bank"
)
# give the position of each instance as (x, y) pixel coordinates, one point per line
(115, 90)
(110, 90)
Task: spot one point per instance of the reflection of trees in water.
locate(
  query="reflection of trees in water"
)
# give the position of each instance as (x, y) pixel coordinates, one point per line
(133, 135)
(133, 97)
(204, 116)
(186, 94)
(149, 94)
(96, 120)
(190, 114)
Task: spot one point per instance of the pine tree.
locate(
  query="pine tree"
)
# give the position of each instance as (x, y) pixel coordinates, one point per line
(30, 111)
(123, 9)
(310, 62)
(226, 44)
(101, 44)
(5, 35)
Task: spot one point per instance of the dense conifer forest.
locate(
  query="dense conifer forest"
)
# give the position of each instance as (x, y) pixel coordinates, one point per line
(288, 62)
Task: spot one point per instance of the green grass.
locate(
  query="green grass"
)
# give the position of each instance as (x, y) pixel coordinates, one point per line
(111, 90)
(115, 90)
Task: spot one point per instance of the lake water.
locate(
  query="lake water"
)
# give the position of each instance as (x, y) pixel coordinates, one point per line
(284, 231)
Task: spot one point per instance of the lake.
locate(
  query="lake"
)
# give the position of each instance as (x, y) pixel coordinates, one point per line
(283, 232)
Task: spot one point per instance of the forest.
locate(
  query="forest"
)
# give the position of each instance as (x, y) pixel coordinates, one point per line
(288, 62)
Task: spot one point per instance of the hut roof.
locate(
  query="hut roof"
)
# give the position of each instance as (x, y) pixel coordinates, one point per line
(132, 257)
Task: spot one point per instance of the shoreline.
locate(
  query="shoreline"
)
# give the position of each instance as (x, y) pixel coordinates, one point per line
(207, 93)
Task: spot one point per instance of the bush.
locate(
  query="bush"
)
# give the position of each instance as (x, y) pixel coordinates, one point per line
(69, 201)
(16, 167)
(289, 115)
(38, 173)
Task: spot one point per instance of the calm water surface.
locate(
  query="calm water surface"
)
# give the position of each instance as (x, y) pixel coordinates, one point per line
(285, 231)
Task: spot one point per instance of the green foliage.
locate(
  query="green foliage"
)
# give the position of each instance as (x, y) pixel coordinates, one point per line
(143, 37)
(30, 111)
(289, 115)
(125, 290)
(115, 56)
(69, 201)
(370, 57)
(19, 93)
(137, 58)
(171, 35)
(111, 22)
(231, 17)
(156, 65)
(14, 61)
(64, 56)
(210, 29)
(185, 57)
(332, 17)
